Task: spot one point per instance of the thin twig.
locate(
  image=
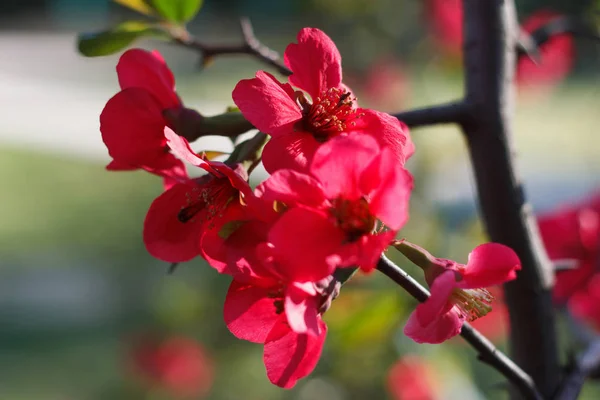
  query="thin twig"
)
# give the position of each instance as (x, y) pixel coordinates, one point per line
(454, 112)
(529, 43)
(488, 353)
(250, 46)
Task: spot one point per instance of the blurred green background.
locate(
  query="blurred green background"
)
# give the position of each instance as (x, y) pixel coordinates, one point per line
(77, 289)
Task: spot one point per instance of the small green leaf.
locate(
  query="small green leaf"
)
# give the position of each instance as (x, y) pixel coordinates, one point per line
(180, 11)
(140, 6)
(111, 41)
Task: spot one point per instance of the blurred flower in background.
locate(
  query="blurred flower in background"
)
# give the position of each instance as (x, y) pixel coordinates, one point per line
(412, 378)
(177, 365)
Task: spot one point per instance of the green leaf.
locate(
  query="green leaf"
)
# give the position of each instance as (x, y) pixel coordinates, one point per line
(116, 39)
(180, 11)
(140, 6)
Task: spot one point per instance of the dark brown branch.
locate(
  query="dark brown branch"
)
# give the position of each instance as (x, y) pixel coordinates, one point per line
(454, 112)
(586, 364)
(488, 353)
(489, 59)
(530, 42)
(250, 46)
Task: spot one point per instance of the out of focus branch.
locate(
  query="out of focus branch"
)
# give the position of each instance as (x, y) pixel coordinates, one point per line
(250, 46)
(529, 43)
(587, 363)
(454, 112)
(488, 353)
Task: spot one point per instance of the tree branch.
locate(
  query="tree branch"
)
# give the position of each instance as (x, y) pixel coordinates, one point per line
(488, 353)
(454, 112)
(489, 59)
(530, 42)
(587, 363)
(250, 46)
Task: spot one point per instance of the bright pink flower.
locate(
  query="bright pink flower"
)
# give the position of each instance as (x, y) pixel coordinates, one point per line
(457, 292)
(297, 125)
(387, 84)
(132, 122)
(178, 365)
(411, 378)
(265, 305)
(573, 233)
(556, 55)
(180, 218)
(332, 214)
(446, 18)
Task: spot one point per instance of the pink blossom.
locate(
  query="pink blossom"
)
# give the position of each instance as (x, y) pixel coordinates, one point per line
(411, 378)
(334, 216)
(457, 293)
(299, 125)
(132, 122)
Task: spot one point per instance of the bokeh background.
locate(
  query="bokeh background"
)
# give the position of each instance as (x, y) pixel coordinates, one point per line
(86, 313)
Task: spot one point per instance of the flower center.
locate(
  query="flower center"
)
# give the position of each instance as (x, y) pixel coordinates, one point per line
(353, 217)
(473, 303)
(208, 199)
(329, 114)
(277, 295)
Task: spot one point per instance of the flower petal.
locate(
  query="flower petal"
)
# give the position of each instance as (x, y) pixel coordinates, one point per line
(292, 188)
(315, 62)
(148, 70)
(301, 309)
(249, 312)
(490, 264)
(291, 151)
(388, 186)
(443, 328)
(437, 304)
(387, 130)
(339, 163)
(268, 104)
(365, 251)
(304, 241)
(180, 146)
(290, 356)
(165, 236)
(132, 128)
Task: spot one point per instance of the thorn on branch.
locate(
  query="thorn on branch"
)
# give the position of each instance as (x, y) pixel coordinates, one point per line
(529, 43)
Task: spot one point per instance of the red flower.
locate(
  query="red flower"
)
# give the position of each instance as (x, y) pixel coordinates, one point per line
(573, 233)
(267, 304)
(178, 365)
(446, 18)
(299, 126)
(556, 55)
(411, 378)
(332, 216)
(387, 84)
(132, 122)
(457, 292)
(182, 216)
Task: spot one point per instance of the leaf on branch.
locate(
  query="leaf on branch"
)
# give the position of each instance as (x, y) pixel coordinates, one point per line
(140, 6)
(180, 11)
(118, 38)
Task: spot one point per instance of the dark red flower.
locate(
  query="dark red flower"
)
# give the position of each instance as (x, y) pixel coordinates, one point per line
(178, 365)
(298, 125)
(132, 122)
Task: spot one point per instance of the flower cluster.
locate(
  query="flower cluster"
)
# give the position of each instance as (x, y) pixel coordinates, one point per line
(337, 195)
